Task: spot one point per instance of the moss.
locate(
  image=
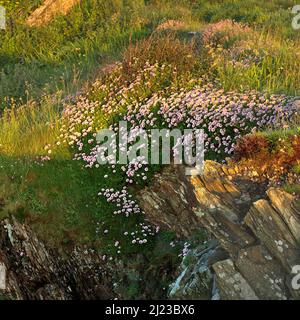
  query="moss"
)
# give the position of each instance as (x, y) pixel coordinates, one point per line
(292, 188)
(296, 169)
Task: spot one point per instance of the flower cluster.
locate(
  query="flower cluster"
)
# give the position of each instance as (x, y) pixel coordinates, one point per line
(185, 251)
(142, 233)
(157, 99)
(233, 43)
(127, 207)
(224, 117)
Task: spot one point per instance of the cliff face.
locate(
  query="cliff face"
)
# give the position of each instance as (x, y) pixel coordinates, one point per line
(50, 8)
(251, 248)
(254, 233)
(32, 271)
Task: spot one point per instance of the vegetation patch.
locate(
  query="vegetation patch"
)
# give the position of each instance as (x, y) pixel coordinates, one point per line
(220, 67)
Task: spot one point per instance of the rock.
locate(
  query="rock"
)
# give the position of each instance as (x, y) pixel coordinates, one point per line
(215, 290)
(48, 10)
(213, 202)
(30, 270)
(231, 236)
(169, 201)
(273, 232)
(232, 285)
(102, 293)
(221, 204)
(284, 205)
(50, 292)
(195, 280)
(33, 271)
(258, 228)
(2, 276)
(263, 273)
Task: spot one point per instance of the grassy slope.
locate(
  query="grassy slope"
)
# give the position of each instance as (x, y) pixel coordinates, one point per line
(59, 198)
(64, 54)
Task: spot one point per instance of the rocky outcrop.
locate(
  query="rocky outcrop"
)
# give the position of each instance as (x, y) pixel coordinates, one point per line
(250, 251)
(258, 228)
(231, 283)
(50, 8)
(169, 200)
(273, 232)
(196, 279)
(30, 270)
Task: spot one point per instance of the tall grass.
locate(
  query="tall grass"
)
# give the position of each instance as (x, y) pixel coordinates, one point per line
(272, 15)
(25, 131)
(34, 61)
(245, 58)
(68, 51)
(278, 73)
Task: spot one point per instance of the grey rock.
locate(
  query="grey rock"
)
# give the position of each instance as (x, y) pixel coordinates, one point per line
(232, 285)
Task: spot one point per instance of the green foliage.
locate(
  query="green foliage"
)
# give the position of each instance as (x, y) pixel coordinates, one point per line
(296, 169)
(293, 189)
(60, 200)
(67, 52)
(273, 16)
(273, 136)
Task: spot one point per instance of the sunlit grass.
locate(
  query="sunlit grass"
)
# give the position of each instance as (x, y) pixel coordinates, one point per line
(24, 132)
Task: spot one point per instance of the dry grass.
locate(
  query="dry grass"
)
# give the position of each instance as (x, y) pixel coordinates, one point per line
(46, 12)
(24, 132)
(274, 155)
(171, 25)
(160, 48)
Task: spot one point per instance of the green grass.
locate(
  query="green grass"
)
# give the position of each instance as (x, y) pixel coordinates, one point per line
(275, 135)
(59, 199)
(296, 169)
(64, 54)
(294, 189)
(278, 72)
(271, 16)
(25, 131)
